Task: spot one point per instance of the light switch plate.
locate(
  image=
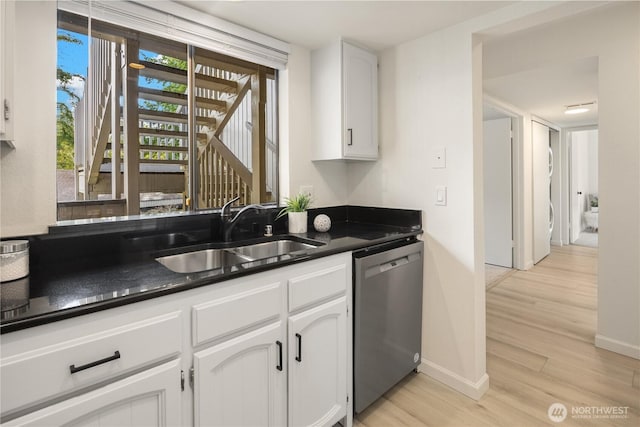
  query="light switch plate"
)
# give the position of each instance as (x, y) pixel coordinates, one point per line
(439, 158)
(441, 195)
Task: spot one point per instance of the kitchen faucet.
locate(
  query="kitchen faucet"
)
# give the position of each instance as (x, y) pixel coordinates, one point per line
(228, 223)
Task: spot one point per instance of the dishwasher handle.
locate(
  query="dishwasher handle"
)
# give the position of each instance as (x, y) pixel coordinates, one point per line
(391, 265)
(394, 264)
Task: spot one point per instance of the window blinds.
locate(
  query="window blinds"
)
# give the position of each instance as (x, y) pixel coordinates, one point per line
(180, 23)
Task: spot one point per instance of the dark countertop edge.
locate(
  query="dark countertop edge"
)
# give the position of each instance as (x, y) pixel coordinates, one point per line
(11, 326)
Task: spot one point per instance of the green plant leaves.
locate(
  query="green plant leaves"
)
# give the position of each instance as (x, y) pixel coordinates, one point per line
(299, 203)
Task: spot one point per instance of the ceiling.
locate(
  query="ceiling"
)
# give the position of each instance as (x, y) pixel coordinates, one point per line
(546, 91)
(374, 24)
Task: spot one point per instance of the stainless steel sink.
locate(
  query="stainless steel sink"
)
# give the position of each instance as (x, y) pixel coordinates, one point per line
(271, 249)
(211, 259)
(208, 259)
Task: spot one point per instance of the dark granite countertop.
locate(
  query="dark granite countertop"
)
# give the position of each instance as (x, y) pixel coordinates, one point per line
(67, 289)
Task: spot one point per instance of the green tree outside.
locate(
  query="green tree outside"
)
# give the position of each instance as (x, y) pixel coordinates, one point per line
(64, 126)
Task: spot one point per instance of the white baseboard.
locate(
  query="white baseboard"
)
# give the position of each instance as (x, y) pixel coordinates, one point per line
(528, 265)
(616, 346)
(556, 242)
(455, 381)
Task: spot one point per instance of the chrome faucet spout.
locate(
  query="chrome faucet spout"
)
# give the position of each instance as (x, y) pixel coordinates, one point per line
(244, 209)
(225, 212)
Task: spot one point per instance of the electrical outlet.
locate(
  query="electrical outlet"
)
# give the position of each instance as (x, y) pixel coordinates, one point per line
(439, 158)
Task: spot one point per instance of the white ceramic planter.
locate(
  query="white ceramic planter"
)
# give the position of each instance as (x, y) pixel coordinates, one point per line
(297, 222)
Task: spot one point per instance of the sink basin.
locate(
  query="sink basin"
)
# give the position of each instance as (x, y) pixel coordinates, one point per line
(271, 249)
(211, 259)
(208, 259)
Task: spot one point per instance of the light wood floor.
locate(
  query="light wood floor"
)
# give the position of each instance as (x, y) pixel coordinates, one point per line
(540, 350)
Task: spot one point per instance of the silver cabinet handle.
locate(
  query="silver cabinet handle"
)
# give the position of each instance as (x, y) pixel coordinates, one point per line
(350, 130)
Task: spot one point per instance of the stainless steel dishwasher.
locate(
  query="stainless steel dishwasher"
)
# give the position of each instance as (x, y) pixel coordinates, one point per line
(387, 317)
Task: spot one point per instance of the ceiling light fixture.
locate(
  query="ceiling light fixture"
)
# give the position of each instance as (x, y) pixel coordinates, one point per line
(579, 108)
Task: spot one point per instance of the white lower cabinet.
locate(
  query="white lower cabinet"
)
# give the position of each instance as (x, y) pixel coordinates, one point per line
(318, 365)
(150, 398)
(269, 349)
(242, 382)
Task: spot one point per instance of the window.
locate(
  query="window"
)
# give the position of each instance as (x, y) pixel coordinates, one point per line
(149, 125)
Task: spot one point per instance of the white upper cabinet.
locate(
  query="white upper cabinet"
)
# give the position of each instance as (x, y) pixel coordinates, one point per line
(344, 100)
(7, 15)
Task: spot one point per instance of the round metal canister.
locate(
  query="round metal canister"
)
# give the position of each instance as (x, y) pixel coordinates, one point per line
(14, 269)
(14, 260)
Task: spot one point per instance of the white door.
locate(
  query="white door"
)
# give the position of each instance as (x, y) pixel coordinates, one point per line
(541, 192)
(151, 398)
(241, 382)
(581, 172)
(577, 194)
(498, 205)
(318, 365)
(360, 87)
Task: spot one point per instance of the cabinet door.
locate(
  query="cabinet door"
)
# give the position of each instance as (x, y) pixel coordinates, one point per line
(241, 382)
(317, 365)
(151, 398)
(360, 92)
(7, 17)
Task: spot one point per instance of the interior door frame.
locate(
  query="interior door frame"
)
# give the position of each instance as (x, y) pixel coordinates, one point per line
(517, 178)
(567, 186)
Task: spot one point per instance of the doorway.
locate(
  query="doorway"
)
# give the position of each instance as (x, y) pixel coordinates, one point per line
(498, 194)
(583, 187)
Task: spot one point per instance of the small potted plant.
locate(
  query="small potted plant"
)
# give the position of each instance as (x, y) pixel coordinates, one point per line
(594, 203)
(296, 210)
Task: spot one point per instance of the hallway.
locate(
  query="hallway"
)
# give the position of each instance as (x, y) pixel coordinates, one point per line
(540, 350)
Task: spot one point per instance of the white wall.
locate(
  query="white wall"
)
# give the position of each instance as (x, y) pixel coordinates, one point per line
(612, 33)
(431, 97)
(28, 173)
(427, 100)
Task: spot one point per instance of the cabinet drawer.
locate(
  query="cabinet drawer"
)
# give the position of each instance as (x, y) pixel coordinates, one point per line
(37, 376)
(318, 286)
(231, 313)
